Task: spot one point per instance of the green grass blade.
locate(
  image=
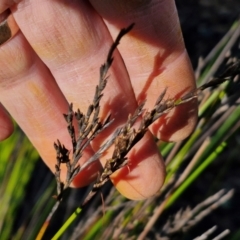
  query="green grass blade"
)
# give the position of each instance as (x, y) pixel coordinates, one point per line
(195, 175)
(210, 154)
(18, 163)
(70, 220)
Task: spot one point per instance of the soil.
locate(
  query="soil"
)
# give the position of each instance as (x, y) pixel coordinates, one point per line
(204, 23)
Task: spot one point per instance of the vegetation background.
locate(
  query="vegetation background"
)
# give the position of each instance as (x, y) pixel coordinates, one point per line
(204, 23)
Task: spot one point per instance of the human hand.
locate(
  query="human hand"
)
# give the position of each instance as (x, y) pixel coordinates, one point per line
(55, 59)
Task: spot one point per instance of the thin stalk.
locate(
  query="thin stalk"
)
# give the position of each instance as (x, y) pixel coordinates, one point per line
(67, 224)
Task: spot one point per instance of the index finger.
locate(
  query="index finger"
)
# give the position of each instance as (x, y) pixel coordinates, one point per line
(156, 58)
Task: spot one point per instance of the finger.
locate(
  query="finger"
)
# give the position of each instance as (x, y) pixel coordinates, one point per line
(73, 48)
(5, 4)
(8, 27)
(141, 179)
(29, 92)
(6, 125)
(155, 57)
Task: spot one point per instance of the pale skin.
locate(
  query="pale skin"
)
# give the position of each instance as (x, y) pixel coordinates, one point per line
(55, 59)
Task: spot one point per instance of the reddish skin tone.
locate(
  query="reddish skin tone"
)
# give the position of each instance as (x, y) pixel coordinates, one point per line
(56, 57)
